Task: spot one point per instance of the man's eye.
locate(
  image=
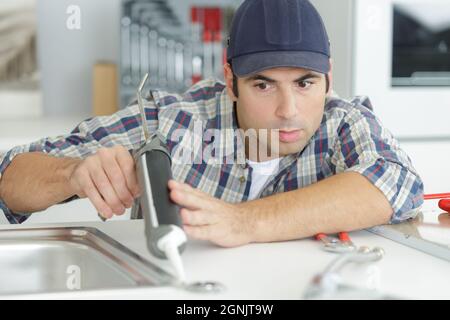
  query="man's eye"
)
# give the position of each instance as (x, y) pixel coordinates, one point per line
(262, 86)
(304, 84)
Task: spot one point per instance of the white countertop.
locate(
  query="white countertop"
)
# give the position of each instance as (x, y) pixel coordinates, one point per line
(275, 270)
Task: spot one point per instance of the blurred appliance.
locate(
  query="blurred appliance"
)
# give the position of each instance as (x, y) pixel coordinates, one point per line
(397, 52)
(421, 45)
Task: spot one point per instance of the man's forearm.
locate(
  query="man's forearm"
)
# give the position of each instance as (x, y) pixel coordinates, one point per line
(36, 181)
(344, 202)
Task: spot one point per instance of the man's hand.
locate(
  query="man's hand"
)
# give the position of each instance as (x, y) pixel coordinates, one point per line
(207, 218)
(108, 179)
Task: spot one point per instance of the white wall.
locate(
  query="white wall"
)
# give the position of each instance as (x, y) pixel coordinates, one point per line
(338, 19)
(66, 57)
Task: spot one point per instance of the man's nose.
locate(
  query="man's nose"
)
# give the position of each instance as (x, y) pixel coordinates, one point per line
(287, 107)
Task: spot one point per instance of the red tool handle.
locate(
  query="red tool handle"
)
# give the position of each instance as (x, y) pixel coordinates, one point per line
(444, 204)
(344, 237)
(320, 236)
(436, 196)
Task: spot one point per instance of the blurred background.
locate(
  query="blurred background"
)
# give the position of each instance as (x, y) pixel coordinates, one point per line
(66, 60)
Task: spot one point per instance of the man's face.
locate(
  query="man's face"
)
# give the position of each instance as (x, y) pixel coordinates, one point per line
(289, 102)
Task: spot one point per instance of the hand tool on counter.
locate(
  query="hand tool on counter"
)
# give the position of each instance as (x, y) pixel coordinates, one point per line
(341, 245)
(330, 285)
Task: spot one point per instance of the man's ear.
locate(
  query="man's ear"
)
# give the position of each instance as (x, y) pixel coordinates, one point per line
(330, 77)
(228, 74)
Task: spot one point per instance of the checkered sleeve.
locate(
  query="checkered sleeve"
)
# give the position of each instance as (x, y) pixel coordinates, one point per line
(122, 128)
(363, 145)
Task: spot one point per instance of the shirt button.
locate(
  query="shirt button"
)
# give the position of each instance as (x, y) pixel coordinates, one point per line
(242, 179)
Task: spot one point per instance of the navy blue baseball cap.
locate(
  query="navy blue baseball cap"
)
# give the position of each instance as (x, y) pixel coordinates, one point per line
(267, 34)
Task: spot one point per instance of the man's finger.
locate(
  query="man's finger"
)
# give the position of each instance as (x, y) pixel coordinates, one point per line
(191, 200)
(199, 232)
(175, 185)
(198, 217)
(118, 181)
(127, 165)
(105, 189)
(184, 188)
(94, 196)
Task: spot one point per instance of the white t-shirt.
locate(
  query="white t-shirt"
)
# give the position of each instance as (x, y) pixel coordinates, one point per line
(260, 174)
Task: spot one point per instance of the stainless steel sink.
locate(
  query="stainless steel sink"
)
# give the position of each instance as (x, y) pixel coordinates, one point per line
(66, 259)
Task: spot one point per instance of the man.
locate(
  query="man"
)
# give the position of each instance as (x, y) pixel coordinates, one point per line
(331, 167)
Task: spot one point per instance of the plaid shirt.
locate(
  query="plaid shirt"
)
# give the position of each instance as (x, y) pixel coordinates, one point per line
(350, 138)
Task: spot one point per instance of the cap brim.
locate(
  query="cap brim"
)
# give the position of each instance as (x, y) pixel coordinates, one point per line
(253, 63)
